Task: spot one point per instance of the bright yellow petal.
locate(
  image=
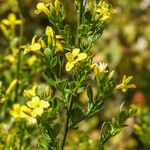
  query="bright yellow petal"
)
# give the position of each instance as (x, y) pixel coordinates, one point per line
(18, 22)
(82, 56)
(34, 102)
(96, 71)
(69, 56)
(75, 52)
(27, 48)
(69, 66)
(12, 17)
(44, 104)
(37, 111)
(128, 79)
(6, 22)
(124, 78)
(35, 47)
(49, 31)
(33, 40)
(59, 47)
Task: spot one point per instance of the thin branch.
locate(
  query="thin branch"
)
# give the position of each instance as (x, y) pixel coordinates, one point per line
(19, 50)
(80, 21)
(67, 123)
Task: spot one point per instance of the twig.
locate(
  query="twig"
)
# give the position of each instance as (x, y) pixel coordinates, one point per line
(67, 123)
(80, 21)
(19, 50)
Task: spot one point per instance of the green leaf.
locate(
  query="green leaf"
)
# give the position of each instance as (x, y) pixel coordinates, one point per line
(67, 33)
(53, 131)
(53, 62)
(49, 80)
(90, 94)
(76, 116)
(43, 142)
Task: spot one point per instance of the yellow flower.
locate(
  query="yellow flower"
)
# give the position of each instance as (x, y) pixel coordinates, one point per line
(57, 6)
(58, 43)
(41, 7)
(10, 58)
(17, 112)
(12, 21)
(11, 87)
(3, 99)
(30, 92)
(111, 74)
(99, 67)
(104, 11)
(42, 43)
(124, 85)
(54, 41)
(31, 60)
(35, 47)
(50, 33)
(74, 57)
(37, 106)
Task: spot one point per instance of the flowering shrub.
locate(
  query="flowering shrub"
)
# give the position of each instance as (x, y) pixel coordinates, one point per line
(63, 56)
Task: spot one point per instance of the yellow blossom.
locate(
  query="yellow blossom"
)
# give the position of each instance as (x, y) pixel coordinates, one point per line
(31, 60)
(3, 99)
(30, 92)
(99, 67)
(37, 106)
(22, 112)
(73, 58)
(54, 40)
(124, 85)
(10, 58)
(111, 74)
(41, 7)
(17, 112)
(11, 87)
(57, 6)
(104, 11)
(35, 47)
(50, 33)
(42, 43)
(12, 21)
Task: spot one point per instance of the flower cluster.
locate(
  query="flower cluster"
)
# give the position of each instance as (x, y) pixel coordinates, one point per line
(104, 11)
(48, 8)
(34, 106)
(36, 46)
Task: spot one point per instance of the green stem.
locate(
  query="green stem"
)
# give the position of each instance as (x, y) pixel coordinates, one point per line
(19, 50)
(80, 21)
(67, 124)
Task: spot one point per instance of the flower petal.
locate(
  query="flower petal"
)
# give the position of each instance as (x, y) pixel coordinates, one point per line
(75, 52)
(69, 66)
(34, 102)
(69, 56)
(128, 79)
(44, 104)
(82, 56)
(37, 111)
(35, 47)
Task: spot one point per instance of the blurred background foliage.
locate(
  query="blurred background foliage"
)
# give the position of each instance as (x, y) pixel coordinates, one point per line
(124, 45)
